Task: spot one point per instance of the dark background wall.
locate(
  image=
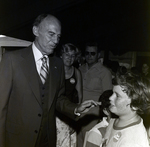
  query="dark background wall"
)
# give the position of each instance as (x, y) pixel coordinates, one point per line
(117, 25)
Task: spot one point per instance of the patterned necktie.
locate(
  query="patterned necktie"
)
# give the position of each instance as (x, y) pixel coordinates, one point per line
(44, 69)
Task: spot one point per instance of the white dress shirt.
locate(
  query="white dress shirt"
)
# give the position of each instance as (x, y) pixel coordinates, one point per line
(37, 56)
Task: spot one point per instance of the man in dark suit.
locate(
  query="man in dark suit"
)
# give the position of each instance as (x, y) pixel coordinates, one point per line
(27, 104)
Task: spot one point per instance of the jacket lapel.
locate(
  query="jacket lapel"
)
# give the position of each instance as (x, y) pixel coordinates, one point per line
(30, 71)
(52, 82)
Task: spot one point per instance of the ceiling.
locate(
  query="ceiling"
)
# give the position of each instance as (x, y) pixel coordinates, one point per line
(117, 25)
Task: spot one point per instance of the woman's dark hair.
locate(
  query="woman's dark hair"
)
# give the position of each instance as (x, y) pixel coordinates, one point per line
(105, 102)
(122, 70)
(104, 99)
(137, 88)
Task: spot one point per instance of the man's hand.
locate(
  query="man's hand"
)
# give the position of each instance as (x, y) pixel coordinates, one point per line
(86, 106)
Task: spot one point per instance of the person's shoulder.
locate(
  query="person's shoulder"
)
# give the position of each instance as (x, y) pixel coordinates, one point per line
(17, 52)
(77, 71)
(102, 67)
(132, 135)
(82, 66)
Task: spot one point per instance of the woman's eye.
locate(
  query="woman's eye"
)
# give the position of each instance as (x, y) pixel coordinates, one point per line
(51, 34)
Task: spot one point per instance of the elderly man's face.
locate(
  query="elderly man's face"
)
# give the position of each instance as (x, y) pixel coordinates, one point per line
(47, 35)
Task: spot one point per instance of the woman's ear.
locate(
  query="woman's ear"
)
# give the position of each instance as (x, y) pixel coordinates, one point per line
(35, 30)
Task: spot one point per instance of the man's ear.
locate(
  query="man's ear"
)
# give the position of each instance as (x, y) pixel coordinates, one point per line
(35, 30)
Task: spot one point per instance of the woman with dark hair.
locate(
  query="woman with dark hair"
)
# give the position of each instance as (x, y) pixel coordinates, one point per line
(94, 137)
(130, 98)
(66, 128)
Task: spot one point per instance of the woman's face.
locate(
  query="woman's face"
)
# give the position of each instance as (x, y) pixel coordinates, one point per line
(68, 57)
(120, 102)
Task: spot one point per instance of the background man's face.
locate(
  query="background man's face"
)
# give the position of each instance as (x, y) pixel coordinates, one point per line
(91, 55)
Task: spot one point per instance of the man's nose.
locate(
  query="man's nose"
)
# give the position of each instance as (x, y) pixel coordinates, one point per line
(55, 39)
(89, 54)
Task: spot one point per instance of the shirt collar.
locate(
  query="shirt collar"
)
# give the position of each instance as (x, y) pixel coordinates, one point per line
(94, 66)
(37, 54)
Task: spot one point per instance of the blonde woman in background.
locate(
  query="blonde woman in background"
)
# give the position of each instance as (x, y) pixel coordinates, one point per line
(66, 128)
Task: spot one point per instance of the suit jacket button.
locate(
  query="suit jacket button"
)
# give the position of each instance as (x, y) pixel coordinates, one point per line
(36, 131)
(39, 115)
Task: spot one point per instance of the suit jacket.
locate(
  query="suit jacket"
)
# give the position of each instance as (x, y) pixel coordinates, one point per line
(20, 101)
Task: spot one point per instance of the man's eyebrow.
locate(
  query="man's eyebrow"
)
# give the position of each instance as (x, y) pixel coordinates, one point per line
(51, 32)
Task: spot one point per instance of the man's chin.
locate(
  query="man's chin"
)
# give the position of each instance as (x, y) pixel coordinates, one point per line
(51, 52)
